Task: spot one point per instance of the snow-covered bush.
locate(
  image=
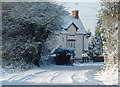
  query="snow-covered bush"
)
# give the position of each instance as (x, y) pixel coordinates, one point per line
(98, 49)
(64, 49)
(64, 55)
(91, 46)
(47, 60)
(26, 27)
(95, 45)
(95, 48)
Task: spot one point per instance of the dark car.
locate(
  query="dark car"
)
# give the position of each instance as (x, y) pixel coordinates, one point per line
(98, 58)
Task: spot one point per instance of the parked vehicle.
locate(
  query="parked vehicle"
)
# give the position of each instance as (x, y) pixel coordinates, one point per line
(99, 58)
(85, 57)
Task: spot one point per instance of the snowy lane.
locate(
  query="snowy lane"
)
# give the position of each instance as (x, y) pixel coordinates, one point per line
(79, 74)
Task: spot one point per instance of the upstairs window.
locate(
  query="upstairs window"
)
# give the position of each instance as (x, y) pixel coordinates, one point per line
(71, 44)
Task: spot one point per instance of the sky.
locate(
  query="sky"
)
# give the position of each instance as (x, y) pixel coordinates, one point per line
(87, 12)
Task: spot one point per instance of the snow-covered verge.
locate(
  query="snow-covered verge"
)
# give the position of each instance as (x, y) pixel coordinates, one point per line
(109, 77)
(78, 74)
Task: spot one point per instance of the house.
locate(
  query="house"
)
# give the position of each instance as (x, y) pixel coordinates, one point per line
(73, 34)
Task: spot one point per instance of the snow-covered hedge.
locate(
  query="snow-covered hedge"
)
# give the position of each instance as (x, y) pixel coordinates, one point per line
(26, 27)
(64, 55)
(47, 60)
(64, 49)
(108, 18)
(10, 65)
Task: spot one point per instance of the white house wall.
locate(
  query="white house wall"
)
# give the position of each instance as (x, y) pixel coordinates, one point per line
(62, 40)
(81, 42)
(79, 46)
(71, 37)
(85, 43)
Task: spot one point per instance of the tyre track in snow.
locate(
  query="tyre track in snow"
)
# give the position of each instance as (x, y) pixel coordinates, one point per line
(78, 78)
(91, 78)
(33, 75)
(72, 77)
(45, 77)
(79, 74)
(55, 75)
(63, 77)
(86, 76)
(90, 74)
(23, 77)
(12, 78)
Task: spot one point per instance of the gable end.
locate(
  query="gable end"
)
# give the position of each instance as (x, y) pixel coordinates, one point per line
(73, 25)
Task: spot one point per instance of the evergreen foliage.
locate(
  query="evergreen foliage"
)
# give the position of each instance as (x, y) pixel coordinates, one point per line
(108, 21)
(26, 27)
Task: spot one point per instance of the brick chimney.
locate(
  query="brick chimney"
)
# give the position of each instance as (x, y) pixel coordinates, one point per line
(75, 13)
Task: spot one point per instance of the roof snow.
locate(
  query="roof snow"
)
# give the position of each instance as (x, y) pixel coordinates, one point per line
(68, 20)
(63, 31)
(81, 31)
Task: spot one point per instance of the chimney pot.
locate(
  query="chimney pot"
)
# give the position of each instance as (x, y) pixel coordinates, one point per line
(75, 13)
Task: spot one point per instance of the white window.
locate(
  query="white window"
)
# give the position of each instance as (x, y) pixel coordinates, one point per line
(71, 44)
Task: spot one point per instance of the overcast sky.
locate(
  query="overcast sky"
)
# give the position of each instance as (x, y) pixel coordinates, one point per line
(87, 12)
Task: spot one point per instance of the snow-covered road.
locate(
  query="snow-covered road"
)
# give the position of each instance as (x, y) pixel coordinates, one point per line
(79, 74)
